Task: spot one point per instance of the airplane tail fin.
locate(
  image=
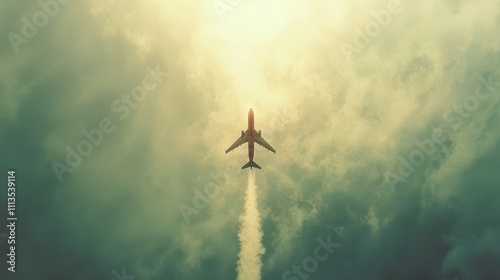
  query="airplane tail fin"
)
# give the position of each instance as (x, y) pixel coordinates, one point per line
(251, 164)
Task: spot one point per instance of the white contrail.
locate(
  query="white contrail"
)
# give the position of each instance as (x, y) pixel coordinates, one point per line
(250, 235)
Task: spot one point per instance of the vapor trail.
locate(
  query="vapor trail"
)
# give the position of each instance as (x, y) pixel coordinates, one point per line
(250, 235)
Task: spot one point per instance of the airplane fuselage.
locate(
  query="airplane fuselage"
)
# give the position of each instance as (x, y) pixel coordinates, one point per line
(250, 135)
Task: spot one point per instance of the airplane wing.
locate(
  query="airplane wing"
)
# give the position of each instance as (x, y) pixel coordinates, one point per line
(242, 140)
(259, 140)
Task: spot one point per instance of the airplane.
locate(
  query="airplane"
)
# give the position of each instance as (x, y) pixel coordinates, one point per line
(251, 136)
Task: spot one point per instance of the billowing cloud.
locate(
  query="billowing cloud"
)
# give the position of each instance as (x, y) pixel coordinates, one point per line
(384, 116)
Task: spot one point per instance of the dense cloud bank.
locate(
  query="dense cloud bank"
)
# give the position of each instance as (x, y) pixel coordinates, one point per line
(115, 115)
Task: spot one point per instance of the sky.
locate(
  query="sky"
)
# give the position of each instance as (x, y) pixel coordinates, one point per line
(115, 116)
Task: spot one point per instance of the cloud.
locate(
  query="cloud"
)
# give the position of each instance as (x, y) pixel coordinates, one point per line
(337, 126)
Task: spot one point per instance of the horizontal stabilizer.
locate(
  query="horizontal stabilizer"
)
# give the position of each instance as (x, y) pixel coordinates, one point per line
(251, 164)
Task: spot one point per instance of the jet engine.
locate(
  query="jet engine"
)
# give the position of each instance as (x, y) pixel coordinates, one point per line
(260, 133)
(242, 133)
